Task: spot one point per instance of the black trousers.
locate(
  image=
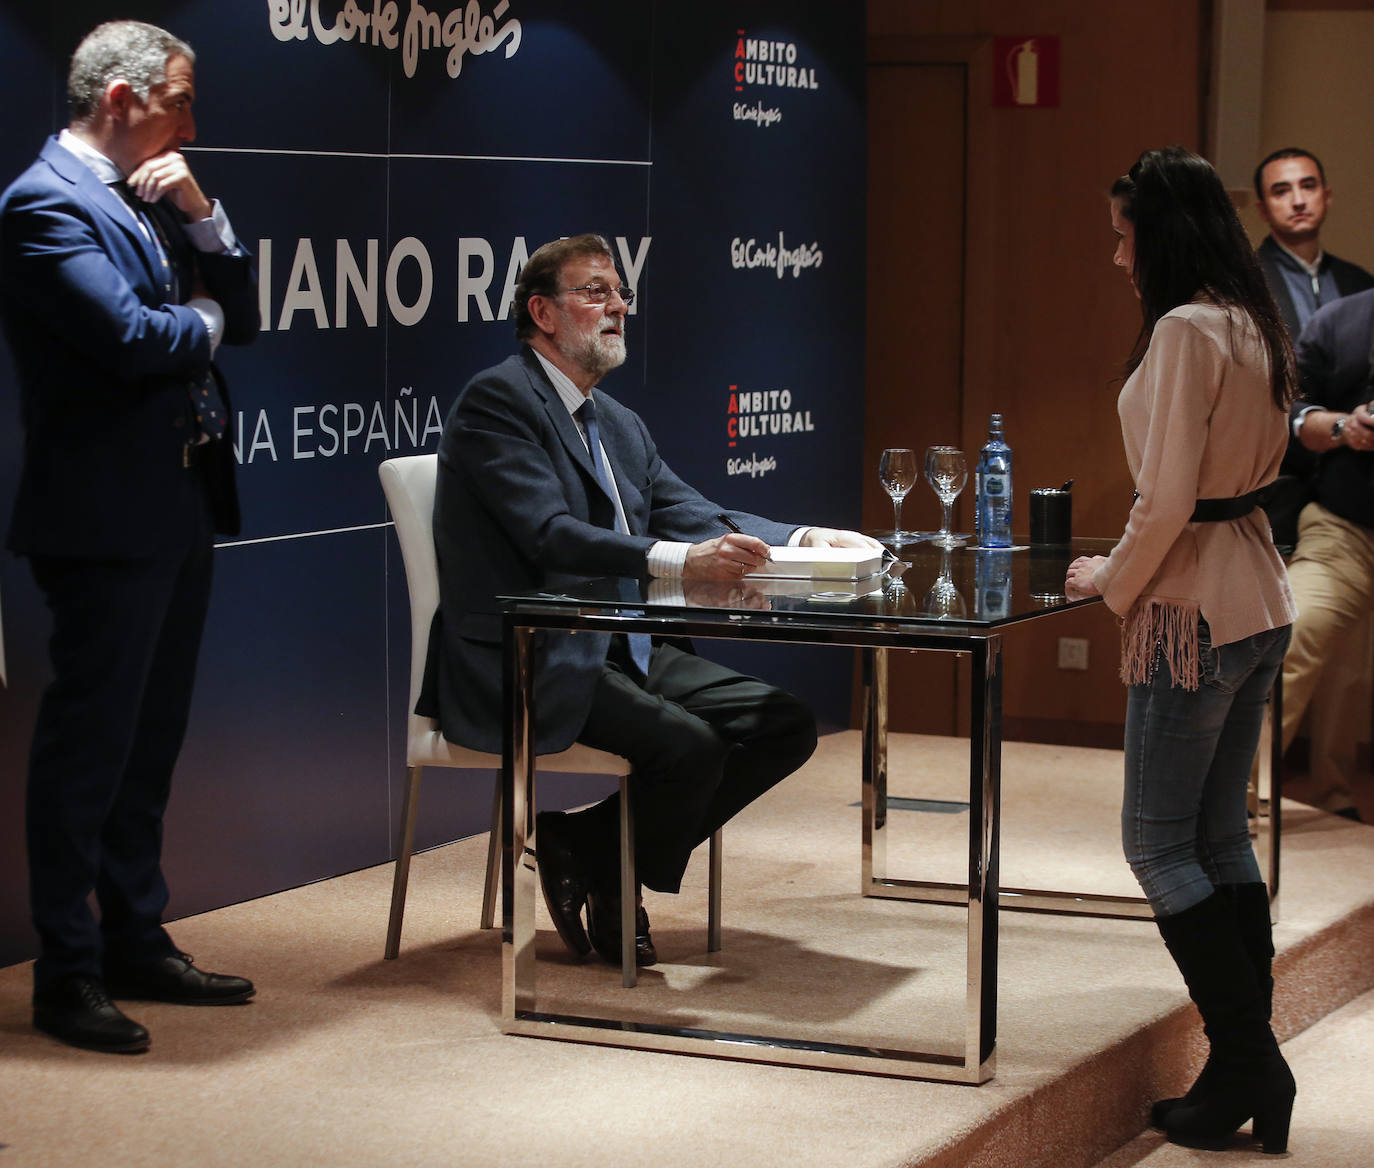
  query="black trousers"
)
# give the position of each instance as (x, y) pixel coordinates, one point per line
(125, 638)
(704, 741)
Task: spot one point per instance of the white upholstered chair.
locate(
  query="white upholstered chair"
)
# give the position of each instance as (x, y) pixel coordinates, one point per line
(408, 483)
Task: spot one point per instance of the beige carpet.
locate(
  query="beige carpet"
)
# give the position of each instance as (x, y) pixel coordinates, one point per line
(344, 1059)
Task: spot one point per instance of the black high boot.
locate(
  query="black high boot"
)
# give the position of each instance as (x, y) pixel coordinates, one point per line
(1251, 903)
(1257, 935)
(1249, 1077)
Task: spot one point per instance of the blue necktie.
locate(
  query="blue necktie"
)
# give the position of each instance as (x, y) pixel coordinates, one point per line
(641, 646)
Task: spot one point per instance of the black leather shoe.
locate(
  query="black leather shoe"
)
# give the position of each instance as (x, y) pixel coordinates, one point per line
(77, 1010)
(175, 979)
(603, 922)
(563, 880)
(1351, 813)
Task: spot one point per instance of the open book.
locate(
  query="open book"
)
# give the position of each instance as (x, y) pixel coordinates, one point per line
(824, 563)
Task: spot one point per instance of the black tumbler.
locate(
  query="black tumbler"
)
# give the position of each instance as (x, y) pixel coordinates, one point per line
(1051, 517)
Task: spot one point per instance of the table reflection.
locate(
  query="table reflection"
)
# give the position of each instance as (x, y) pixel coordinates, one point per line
(965, 585)
(943, 598)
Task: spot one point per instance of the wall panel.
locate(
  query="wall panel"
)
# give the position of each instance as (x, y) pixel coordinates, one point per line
(390, 193)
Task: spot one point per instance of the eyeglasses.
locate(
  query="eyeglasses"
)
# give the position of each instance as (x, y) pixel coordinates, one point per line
(598, 293)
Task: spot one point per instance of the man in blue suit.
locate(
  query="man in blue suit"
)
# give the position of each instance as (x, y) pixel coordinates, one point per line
(545, 480)
(118, 280)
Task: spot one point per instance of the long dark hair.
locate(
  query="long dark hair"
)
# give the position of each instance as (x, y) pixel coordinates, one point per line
(1189, 241)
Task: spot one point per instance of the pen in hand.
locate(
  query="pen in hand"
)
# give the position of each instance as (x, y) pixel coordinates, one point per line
(737, 529)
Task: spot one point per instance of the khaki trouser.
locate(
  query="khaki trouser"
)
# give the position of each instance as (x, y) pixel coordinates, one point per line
(1332, 574)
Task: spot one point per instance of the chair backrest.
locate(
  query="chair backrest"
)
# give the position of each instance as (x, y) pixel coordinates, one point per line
(408, 484)
(409, 487)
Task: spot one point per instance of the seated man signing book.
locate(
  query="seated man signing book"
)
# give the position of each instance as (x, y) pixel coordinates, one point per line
(544, 480)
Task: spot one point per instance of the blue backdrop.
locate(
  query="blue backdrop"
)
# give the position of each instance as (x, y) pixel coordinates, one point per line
(391, 165)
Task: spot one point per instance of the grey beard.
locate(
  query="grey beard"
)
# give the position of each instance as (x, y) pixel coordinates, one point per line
(598, 354)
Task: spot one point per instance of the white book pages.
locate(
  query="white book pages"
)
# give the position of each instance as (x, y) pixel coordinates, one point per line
(825, 563)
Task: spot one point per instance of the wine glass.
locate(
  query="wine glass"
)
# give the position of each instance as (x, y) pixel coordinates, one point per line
(898, 473)
(894, 587)
(943, 598)
(947, 472)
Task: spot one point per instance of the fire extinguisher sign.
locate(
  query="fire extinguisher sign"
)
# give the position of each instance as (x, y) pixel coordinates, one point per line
(1025, 71)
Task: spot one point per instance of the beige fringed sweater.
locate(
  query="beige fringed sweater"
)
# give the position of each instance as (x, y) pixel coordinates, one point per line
(1198, 422)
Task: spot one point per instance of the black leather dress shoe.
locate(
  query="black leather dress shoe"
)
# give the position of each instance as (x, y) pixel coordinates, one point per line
(77, 1010)
(175, 979)
(562, 878)
(603, 923)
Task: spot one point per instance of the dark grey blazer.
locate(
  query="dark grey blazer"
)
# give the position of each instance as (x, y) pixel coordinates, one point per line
(517, 508)
(1350, 278)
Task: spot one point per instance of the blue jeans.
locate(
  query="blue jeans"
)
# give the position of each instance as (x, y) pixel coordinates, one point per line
(1188, 758)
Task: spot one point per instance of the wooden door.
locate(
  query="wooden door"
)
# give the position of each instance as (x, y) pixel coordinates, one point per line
(915, 329)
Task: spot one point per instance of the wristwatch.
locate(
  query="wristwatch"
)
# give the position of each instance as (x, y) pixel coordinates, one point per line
(1338, 428)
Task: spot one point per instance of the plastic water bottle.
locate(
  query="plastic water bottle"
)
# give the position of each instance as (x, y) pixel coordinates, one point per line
(992, 583)
(994, 489)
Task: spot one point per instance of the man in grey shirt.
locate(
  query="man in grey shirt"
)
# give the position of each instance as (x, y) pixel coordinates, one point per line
(1293, 199)
(1290, 185)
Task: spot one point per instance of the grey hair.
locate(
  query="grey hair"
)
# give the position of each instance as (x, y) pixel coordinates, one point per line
(130, 49)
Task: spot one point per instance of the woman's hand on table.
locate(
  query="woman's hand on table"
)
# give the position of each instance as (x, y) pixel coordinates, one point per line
(1078, 580)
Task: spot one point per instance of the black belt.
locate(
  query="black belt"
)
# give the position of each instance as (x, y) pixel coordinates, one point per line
(1220, 510)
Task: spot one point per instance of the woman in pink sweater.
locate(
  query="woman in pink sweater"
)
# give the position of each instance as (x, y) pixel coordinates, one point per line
(1205, 608)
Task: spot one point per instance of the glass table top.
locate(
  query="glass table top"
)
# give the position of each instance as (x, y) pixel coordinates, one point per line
(929, 586)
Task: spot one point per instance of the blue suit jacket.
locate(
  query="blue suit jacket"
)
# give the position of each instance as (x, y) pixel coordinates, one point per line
(104, 365)
(1334, 354)
(518, 508)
